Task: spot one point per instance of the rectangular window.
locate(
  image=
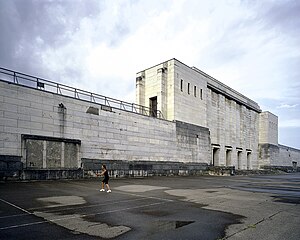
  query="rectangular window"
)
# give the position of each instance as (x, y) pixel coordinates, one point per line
(181, 85)
(201, 94)
(189, 88)
(195, 91)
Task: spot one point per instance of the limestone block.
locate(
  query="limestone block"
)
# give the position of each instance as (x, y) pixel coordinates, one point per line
(6, 91)
(8, 107)
(36, 125)
(9, 151)
(15, 101)
(8, 122)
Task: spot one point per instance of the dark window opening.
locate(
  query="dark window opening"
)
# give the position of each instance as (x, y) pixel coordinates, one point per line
(181, 85)
(201, 94)
(195, 91)
(189, 88)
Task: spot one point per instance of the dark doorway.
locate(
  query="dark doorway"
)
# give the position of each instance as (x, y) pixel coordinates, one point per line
(239, 159)
(228, 157)
(153, 106)
(248, 160)
(215, 157)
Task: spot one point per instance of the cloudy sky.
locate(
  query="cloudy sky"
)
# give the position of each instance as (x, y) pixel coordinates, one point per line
(98, 45)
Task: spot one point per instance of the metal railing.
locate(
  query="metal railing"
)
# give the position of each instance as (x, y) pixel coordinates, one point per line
(64, 90)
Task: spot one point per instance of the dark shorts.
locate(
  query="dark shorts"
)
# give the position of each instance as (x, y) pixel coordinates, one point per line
(105, 180)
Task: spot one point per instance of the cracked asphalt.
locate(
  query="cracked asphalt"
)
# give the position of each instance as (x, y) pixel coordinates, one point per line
(202, 207)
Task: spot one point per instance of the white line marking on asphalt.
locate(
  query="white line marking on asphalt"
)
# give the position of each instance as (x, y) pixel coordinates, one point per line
(149, 197)
(141, 197)
(92, 205)
(24, 210)
(16, 215)
(84, 215)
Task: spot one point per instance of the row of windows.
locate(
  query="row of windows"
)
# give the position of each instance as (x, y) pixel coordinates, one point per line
(189, 89)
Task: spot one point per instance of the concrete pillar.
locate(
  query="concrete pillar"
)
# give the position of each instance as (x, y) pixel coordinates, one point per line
(62, 158)
(44, 154)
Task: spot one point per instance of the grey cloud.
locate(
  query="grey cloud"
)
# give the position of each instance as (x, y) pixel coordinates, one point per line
(9, 24)
(284, 15)
(23, 22)
(281, 15)
(50, 19)
(30, 27)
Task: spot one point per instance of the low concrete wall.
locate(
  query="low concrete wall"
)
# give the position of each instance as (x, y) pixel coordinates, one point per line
(10, 166)
(278, 156)
(287, 157)
(142, 168)
(53, 174)
(221, 170)
(287, 169)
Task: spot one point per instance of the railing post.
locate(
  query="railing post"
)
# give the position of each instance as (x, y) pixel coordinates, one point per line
(58, 89)
(15, 78)
(92, 98)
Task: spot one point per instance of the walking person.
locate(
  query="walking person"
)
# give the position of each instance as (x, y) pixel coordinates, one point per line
(105, 180)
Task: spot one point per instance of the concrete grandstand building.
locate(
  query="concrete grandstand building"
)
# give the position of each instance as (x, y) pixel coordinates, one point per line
(183, 122)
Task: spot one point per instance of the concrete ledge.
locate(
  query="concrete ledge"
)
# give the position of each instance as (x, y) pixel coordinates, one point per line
(119, 168)
(287, 169)
(53, 174)
(10, 166)
(221, 170)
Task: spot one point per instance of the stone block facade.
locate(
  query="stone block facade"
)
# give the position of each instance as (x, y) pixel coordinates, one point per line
(241, 135)
(278, 156)
(183, 122)
(268, 128)
(50, 131)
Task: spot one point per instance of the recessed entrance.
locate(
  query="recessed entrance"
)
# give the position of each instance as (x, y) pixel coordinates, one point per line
(239, 159)
(248, 160)
(153, 106)
(228, 157)
(215, 157)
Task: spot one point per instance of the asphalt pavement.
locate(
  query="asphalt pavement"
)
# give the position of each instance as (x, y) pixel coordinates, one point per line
(200, 207)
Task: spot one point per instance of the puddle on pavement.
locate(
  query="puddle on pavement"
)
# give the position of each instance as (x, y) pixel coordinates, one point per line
(156, 213)
(285, 199)
(60, 201)
(139, 188)
(164, 225)
(77, 223)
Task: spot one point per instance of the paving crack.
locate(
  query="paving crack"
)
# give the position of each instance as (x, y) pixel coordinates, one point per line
(252, 225)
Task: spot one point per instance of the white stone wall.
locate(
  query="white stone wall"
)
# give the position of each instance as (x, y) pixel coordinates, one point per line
(287, 156)
(231, 117)
(116, 135)
(157, 81)
(172, 102)
(268, 128)
(190, 106)
(232, 127)
(140, 89)
(278, 155)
